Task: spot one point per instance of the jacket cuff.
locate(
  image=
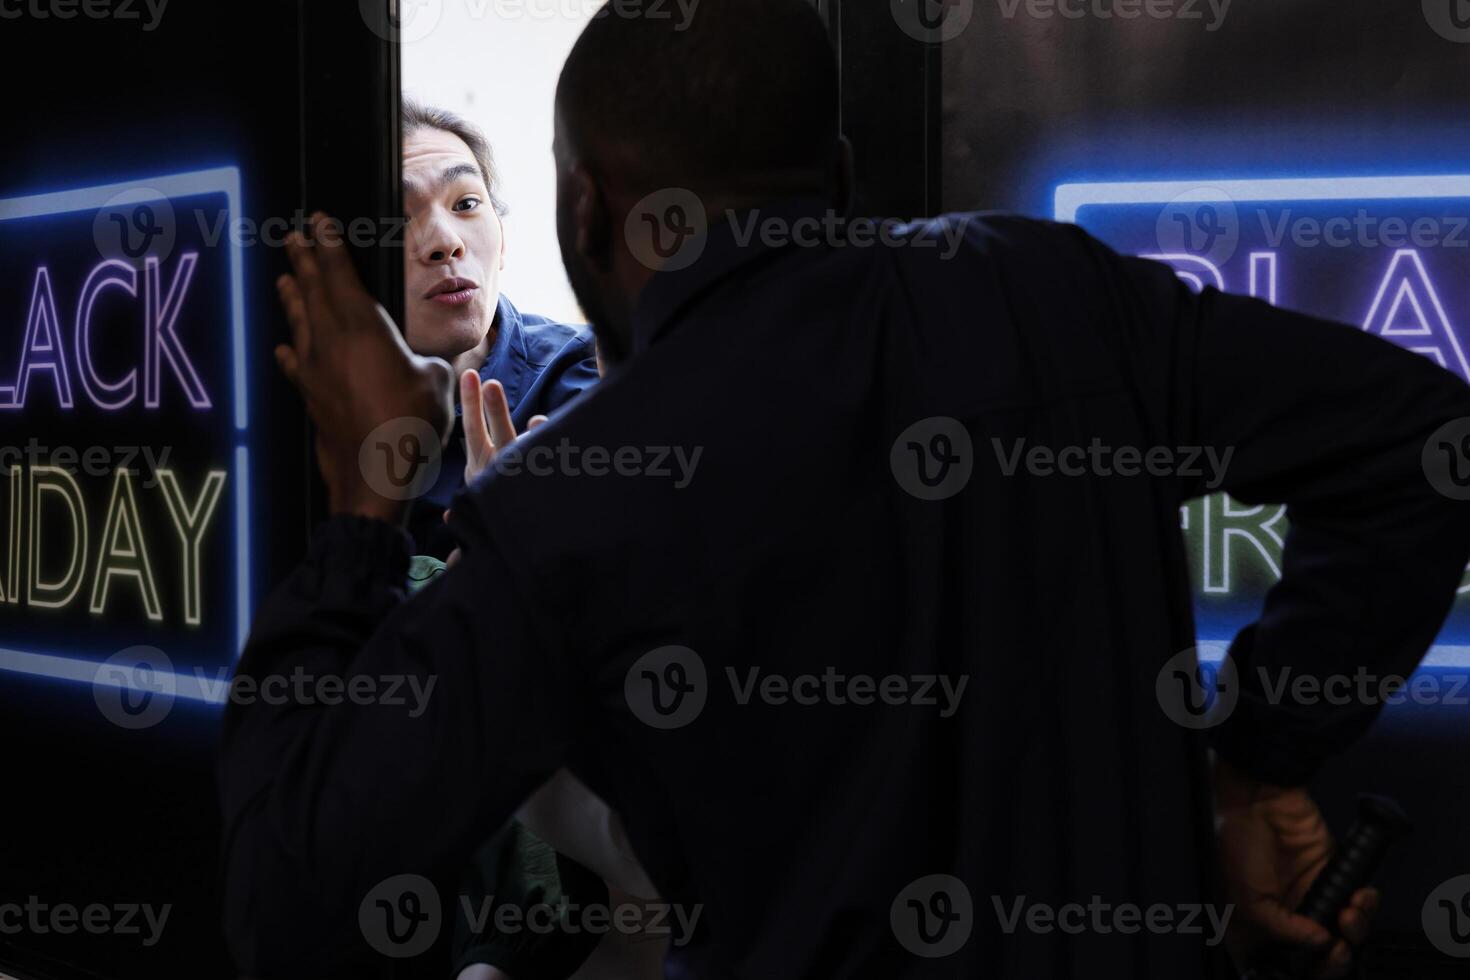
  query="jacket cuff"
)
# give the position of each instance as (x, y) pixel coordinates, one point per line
(360, 552)
(1268, 742)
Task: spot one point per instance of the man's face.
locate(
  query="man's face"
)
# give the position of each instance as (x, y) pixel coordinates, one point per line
(455, 246)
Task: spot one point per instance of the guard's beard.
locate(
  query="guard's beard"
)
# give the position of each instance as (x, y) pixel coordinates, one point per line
(613, 333)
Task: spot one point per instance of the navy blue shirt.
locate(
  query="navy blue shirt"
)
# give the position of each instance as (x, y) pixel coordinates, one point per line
(543, 366)
(641, 629)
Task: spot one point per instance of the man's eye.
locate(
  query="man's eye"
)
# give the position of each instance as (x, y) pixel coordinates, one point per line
(467, 204)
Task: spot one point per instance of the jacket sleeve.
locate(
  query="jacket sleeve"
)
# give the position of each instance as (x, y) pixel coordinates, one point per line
(1334, 423)
(370, 736)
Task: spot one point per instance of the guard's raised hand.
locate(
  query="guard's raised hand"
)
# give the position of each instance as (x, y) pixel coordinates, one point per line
(351, 364)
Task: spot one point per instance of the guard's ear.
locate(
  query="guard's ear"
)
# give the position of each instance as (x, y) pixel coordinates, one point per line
(591, 219)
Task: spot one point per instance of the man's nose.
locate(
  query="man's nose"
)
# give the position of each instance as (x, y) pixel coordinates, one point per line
(440, 244)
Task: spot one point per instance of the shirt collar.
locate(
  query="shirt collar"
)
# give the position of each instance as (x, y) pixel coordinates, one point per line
(507, 360)
(726, 249)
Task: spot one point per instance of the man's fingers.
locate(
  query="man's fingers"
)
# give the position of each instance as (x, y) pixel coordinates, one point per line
(338, 272)
(1283, 925)
(304, 265)
(296, 317)
(536, 420)
(1366, 900)
(1355, 922)
(1354, 926)
(1336, 963)
(290, 367)
(478, 446)
(497, 413)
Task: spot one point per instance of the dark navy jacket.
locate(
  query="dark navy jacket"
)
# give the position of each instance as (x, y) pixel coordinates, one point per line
(802, 547)
(543, 366)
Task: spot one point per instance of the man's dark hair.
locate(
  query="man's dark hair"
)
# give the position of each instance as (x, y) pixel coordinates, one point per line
(415, 116)
(740, 98)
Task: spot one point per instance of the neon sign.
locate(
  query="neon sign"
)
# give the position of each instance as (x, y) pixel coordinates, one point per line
(123, 329)
(1390, 255)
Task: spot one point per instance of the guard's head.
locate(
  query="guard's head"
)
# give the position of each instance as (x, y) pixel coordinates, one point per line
(734, 102)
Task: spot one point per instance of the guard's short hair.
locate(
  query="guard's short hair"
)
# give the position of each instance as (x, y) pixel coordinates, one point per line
(414, 116)
(739, 97)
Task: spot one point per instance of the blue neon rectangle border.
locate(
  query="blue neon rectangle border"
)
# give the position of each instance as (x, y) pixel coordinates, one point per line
(1072, 197)
(216, 180)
